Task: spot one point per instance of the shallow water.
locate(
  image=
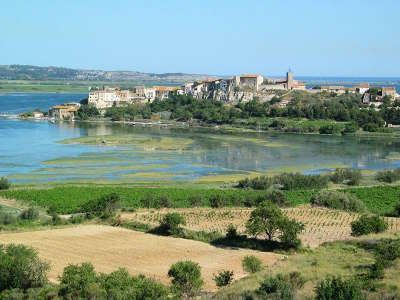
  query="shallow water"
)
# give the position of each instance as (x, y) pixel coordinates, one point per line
(30, 151)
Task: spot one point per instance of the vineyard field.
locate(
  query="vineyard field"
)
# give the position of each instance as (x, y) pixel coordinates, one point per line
(69, 199)
(321, 224)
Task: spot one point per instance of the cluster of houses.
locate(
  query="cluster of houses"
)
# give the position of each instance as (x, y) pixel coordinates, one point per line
(232, 90)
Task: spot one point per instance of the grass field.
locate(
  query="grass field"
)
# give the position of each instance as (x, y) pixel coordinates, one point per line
(321, 224)
(337, 258)
(109, 248)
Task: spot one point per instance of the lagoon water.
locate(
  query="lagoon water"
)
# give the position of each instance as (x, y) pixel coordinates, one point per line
(30, 151)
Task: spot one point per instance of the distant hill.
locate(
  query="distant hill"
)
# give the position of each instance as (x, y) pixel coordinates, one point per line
(27, 72)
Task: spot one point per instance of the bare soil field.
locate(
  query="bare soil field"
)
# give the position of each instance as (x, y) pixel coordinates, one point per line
(109, 248)
(321, 224)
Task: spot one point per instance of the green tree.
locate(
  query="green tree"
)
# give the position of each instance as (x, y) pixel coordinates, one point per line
(265, 219)
(186, 278)
(21, 268)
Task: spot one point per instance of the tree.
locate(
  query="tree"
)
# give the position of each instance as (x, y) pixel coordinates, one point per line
(265, 219)
(87, 111)
(21, 268)
(186, 278)
(103, 207)
(289, 231)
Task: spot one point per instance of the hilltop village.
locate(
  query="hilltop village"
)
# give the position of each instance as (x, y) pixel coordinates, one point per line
(238, 89)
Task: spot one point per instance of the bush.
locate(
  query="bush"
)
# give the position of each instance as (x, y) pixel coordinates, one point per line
(251, 264)
(7, 218)
(217, 201)
(371, 127)
(4, 184)
(280, 286)
(337, 288)
(337, 200)
(164, 202)
(231, 232)
(21, 268)
(29, 214)
(195, 201)
(388, 176)
(387, 251)
(80, 282)
(121, 285)
(171, 222)
(223, 278)
(346, 176)
(186, 278)
(368, 224)
(329, 129)
(277, 197)
(287, 181)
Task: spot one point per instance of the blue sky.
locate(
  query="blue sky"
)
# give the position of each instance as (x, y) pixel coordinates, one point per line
(313, 37)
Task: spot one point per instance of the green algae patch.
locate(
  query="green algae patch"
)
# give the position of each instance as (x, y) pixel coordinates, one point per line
(257, 141)
(149, 175)
(227, 177)
(143, 142)
(83, 160)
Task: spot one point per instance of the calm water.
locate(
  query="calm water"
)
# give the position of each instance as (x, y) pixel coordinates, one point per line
(30, 150)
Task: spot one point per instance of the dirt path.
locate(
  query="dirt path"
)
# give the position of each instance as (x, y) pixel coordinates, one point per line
(109, 248)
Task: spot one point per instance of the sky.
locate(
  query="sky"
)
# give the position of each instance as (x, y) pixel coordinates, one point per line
(219, 37)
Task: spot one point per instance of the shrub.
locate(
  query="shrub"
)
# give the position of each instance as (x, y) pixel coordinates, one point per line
(387, 251)
(251, 264)
(346, 176)
(223, 278)
(368, 224)
(103, 207)
(337, 288)
(388, 176)
(163, 201)
(280, 286)
(186, 278)
(277, 197)
(4, 184)
(217, 201)
(21, 268)
(29, 214)
(231, 232)
(80, 282)
(195, 201)
(329, 129)
(171, 222)
(370, 127)
(7, 218)
(337, 200)
(121, 285)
